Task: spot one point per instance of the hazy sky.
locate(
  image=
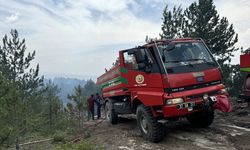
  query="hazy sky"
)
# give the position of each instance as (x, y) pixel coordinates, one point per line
(79, 38)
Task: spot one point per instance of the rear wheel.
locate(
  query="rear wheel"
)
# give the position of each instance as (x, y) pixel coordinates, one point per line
(150, 128)
(201, 119)
(247, 83)
(111, 115)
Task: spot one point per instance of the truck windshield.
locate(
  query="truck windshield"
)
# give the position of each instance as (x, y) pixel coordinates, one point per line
(186, 57)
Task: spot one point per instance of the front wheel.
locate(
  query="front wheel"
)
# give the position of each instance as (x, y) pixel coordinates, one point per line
(201, 119)
(111, 115)
(150, 128)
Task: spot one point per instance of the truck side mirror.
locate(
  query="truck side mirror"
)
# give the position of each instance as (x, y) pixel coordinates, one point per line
(141, 59)
(139, 56)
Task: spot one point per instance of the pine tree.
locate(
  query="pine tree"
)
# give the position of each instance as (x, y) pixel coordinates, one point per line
(90, 88)
(7, 111)
(15, 65)
(79, 104)
(173, 23)
(15, 68)
(53, 106)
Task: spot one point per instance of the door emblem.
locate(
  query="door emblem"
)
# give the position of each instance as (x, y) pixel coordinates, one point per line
(139, 79)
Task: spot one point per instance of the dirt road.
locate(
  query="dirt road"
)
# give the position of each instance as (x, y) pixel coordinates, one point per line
(228, 132)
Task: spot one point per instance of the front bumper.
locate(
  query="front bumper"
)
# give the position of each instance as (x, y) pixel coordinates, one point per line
(182, 109)
(220, 102)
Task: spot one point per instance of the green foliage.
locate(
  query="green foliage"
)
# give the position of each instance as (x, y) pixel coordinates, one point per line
(52, 107)
(19, 86)
(172, 23)
(26, 105)
(78, 97)
(83, 145)
(60, 136)
(90, 88)
(77, 107)
(15, 65)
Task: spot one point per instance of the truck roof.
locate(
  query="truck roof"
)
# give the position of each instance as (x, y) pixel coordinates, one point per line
(152, 42)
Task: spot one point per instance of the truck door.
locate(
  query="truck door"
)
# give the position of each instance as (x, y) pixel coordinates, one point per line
(142, 76)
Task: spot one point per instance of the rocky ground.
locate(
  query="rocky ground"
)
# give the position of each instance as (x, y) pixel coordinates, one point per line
(228, 132)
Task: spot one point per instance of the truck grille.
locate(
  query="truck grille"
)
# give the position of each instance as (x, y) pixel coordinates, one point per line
(191, 87)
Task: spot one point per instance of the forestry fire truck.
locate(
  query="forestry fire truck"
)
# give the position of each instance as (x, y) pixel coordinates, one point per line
(245, 68)
(164, 80)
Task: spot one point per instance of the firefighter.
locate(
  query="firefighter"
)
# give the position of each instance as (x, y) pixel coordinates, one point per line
(98, 101)
(90, 103)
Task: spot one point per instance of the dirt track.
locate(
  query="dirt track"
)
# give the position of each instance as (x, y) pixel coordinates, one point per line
(228, 132)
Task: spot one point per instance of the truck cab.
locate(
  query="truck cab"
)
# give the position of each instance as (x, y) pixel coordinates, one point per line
(163, 80)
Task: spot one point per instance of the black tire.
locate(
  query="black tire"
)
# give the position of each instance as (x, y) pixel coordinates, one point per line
(201, 119)
(150, 128)
(111, 115)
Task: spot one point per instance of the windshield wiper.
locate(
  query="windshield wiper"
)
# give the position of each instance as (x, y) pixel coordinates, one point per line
(178, 61)
(173, 61)
(204, 60)
(196, 59)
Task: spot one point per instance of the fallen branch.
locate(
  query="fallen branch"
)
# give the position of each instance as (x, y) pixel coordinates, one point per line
(34, 142)
(77, 139)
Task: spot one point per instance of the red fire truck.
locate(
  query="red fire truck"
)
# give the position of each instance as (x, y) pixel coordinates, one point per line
(164, 80)
(245, 67)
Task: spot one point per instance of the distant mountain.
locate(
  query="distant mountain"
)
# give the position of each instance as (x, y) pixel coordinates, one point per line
(66, 86)
(70, 76)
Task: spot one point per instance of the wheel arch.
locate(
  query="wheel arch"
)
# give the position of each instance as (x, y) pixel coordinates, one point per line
(135, 103)
(246, 84)
(106, 101)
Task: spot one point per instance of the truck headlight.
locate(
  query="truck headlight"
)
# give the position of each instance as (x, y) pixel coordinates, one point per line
(174, 101)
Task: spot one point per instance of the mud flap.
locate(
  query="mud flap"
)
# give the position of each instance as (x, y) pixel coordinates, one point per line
(223, 104)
